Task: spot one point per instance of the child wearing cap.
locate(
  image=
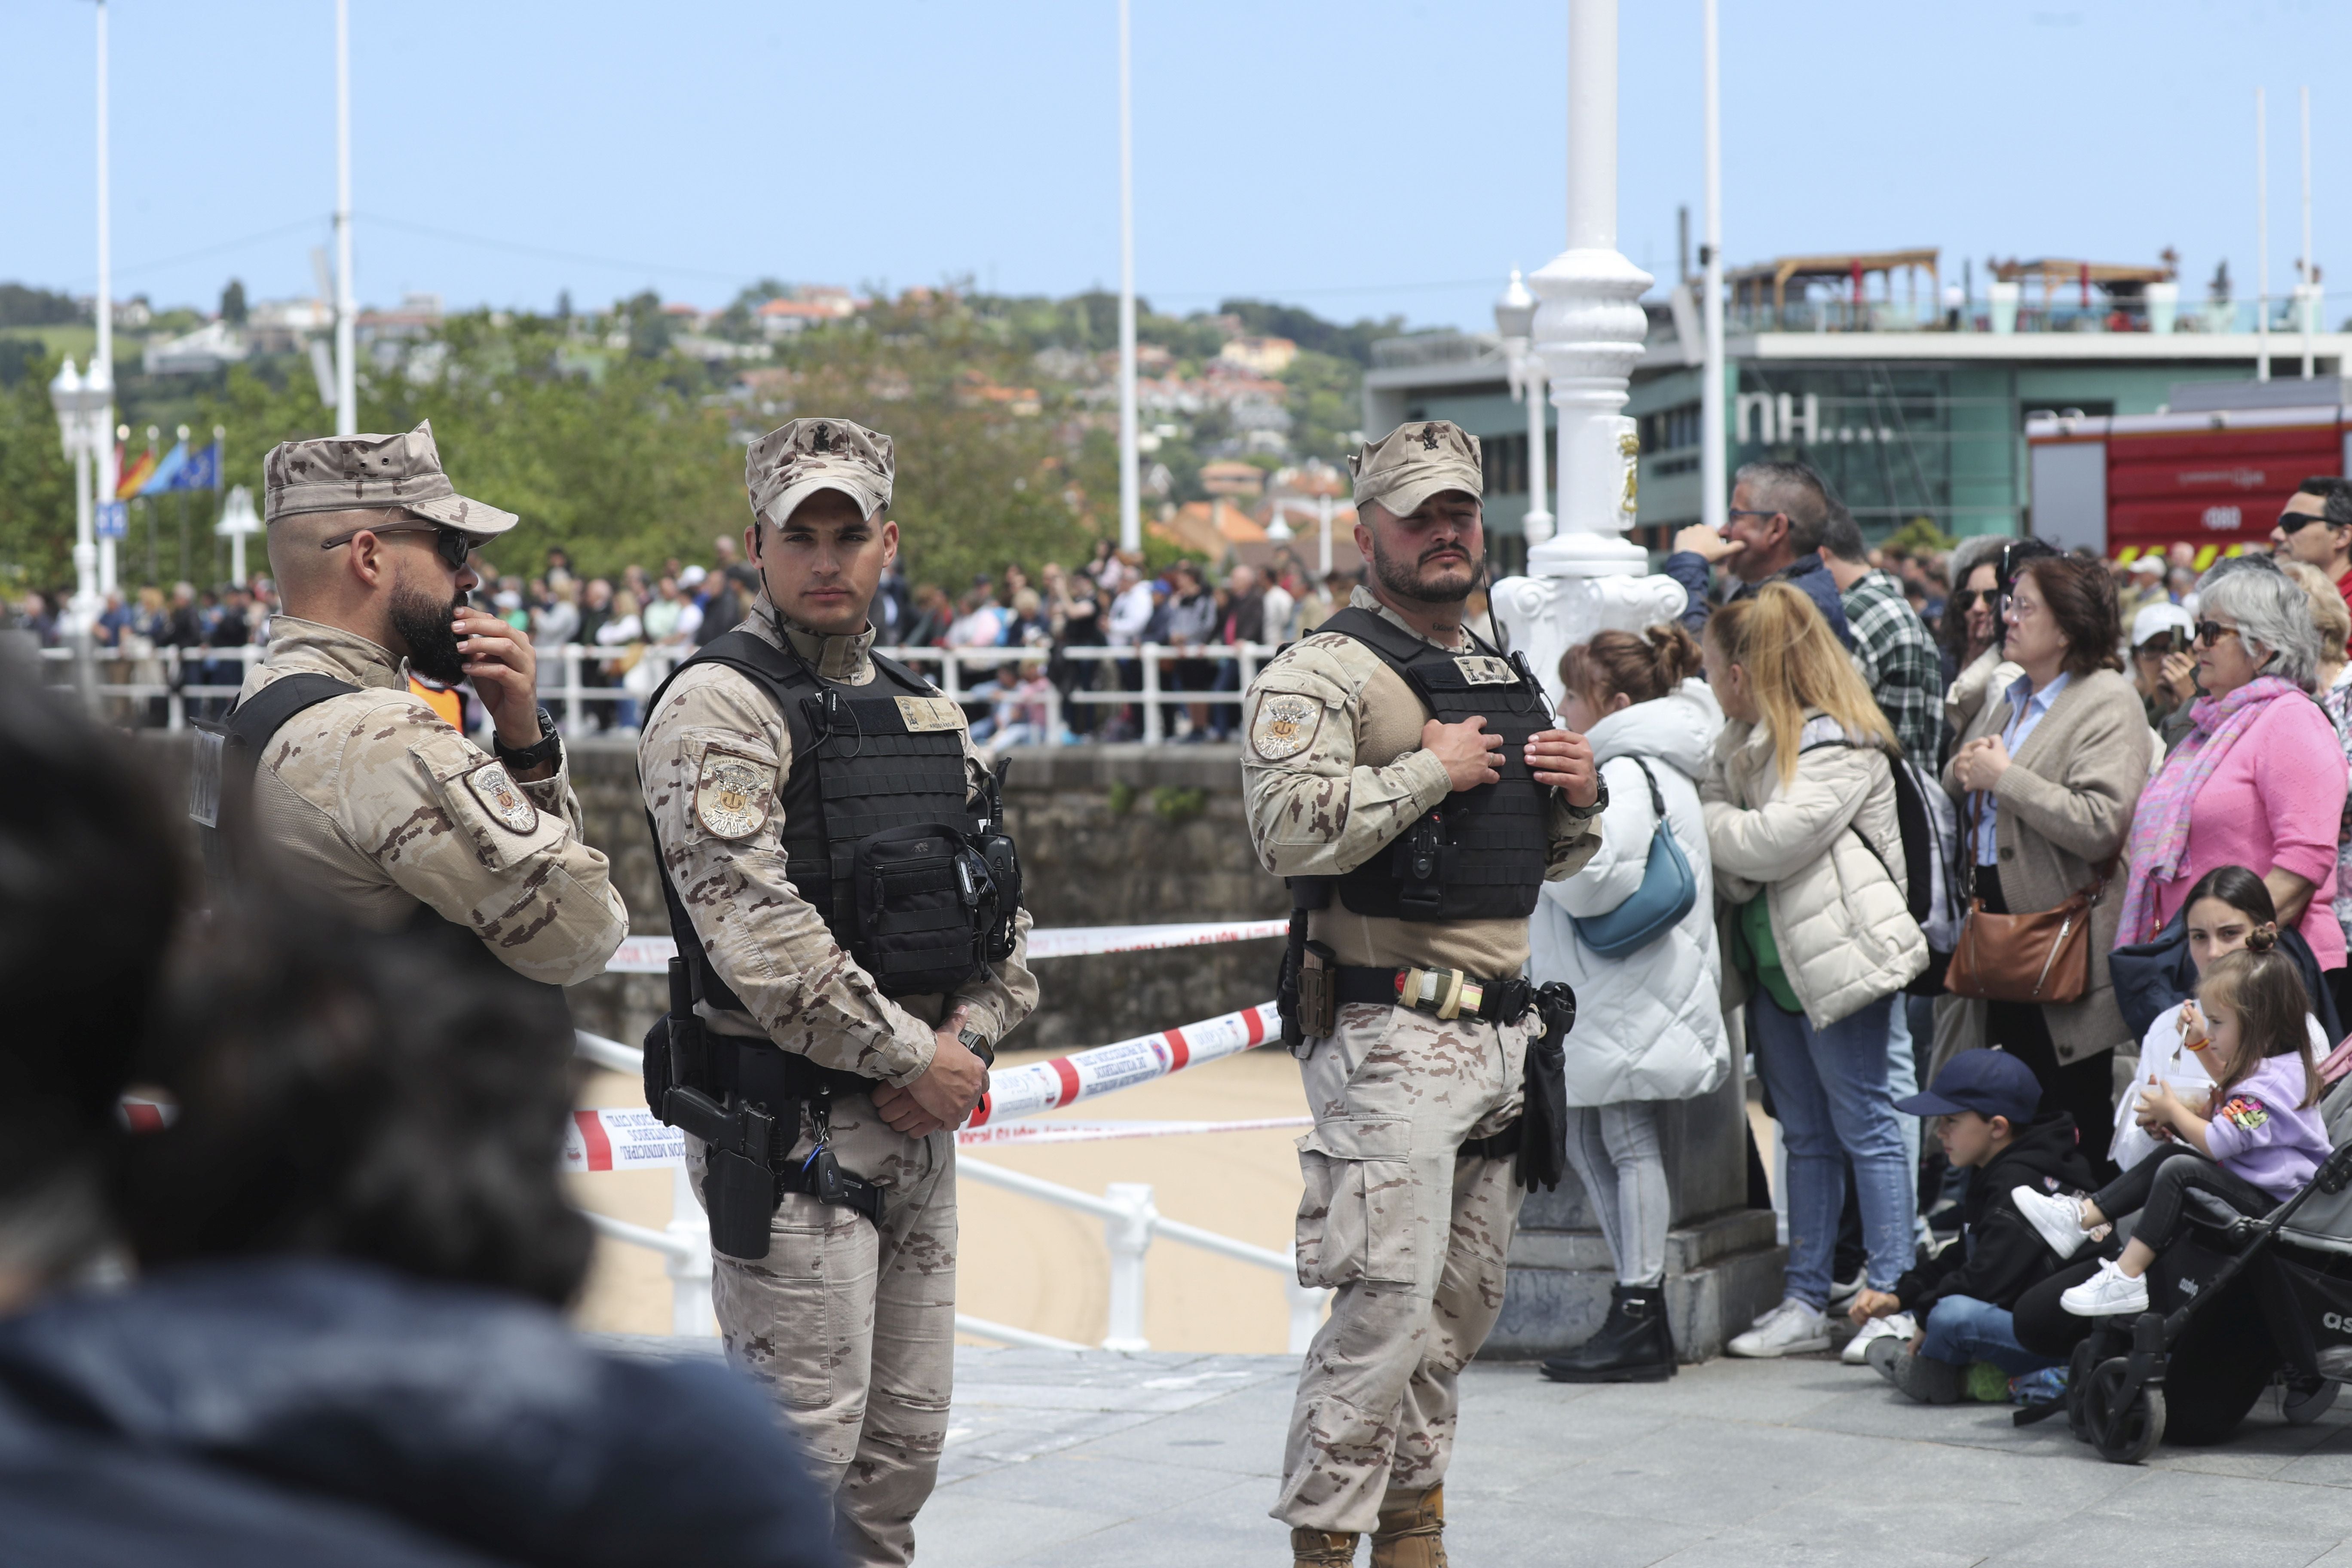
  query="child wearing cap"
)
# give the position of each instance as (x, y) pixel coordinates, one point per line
(1988, 1109)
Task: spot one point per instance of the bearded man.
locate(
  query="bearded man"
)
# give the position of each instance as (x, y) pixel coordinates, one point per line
(359, 791)
(1407, 780)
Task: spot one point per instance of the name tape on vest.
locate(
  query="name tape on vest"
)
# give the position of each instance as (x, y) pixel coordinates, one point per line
(923, 714)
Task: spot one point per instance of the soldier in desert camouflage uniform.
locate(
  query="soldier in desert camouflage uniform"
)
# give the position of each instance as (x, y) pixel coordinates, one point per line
(1414, 1077)
(363, 794)
(850, 1322)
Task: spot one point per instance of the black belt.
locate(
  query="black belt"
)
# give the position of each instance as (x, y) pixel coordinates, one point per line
(1443, 992)
(764, 1075)
(1502, 1145)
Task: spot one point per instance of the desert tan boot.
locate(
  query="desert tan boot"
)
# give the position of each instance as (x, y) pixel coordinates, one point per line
(1322, 1548)
(1412, 1531)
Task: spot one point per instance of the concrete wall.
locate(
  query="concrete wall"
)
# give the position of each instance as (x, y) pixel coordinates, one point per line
(1108, 835)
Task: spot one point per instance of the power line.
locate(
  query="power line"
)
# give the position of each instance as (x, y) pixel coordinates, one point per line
(198, 255)
(540, 251)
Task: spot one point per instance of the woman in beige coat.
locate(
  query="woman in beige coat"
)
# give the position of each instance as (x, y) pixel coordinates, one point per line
(2046, 776)
(1801, 826)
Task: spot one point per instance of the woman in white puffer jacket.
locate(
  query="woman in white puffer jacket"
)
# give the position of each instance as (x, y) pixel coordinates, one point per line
(1649, 1021)
(1808, 851)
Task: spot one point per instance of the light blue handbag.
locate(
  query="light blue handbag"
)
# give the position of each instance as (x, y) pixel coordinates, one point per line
(1669, 887)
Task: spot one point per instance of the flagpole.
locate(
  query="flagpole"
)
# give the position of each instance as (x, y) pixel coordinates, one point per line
(101, 379)
(347, 402)
(1131, 485)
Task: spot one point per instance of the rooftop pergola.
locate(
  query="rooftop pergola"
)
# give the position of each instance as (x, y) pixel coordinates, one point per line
(1748, 282)
(2111, 278)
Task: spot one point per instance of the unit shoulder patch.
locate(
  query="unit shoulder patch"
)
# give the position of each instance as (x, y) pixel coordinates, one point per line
(926, 714)
(508, 806)
(1484, 669)
(2246, 1112)
(731, 797)
(1286, 725)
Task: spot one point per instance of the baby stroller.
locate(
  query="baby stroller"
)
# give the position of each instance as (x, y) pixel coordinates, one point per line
(2269, 1294)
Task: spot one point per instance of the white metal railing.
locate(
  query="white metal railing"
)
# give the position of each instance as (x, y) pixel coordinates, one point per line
(1131, 1220)
(575, 679)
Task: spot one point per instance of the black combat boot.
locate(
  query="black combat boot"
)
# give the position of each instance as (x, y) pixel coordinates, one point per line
(1633, 1344)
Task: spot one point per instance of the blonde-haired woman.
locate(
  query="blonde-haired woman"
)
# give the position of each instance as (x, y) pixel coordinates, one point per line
(1808, 856)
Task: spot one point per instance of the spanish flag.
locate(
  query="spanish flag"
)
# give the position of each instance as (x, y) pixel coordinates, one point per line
(135, 477)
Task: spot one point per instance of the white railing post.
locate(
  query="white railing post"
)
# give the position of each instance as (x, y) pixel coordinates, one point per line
(688, 1268)
(572, 689)
(1306, 1303)
(1128, 1237)
(175, 703)
(1151, 734)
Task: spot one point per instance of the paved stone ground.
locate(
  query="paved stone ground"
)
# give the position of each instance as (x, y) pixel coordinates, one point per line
(1093, 1459)
(1139, 1461)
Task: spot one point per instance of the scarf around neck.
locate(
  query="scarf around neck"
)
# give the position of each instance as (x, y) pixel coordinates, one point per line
(2159, 830)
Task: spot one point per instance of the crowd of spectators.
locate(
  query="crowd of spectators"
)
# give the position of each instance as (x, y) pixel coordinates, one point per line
(2154, 753)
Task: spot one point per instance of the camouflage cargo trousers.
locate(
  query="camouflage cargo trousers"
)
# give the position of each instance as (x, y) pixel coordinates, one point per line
(851, 1326)
(1412, 1239)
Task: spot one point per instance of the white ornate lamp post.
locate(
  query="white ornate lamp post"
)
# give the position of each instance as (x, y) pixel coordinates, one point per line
(1587, 577)
(77, 405)
(239, 523)
(1514, 316)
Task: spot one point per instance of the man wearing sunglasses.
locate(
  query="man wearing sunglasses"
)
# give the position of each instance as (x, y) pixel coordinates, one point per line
(359, 790)
(1780, 513)
(2316, 529)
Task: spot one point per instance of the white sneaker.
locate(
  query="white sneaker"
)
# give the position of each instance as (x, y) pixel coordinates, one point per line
(2057, 1217)
(2109, 1293)
(1900, 1326)
(1844, 1291)
(1790, 1329)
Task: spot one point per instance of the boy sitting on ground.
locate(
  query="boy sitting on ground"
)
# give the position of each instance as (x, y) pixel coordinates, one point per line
(1985, 1103)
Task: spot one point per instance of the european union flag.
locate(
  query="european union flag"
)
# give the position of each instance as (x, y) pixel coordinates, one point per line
(202, 471)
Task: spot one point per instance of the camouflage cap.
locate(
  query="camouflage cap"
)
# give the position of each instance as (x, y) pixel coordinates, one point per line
(347, 473)
(1414, 462)
(793, 461)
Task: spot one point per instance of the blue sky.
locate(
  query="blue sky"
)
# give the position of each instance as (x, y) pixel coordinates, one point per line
(1386, 156)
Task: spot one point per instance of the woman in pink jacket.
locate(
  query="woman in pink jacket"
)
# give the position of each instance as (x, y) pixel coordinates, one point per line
(2259, 781)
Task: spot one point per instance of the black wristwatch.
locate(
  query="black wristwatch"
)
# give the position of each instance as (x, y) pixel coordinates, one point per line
(978, 1044)
(1600, 801)
(548, 748)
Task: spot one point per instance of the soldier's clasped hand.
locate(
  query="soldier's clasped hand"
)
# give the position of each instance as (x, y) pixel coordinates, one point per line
(946, 1093)
(505, 673)
(1471, 755)
(1563, 760)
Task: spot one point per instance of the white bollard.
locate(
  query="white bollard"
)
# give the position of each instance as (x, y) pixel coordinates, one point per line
(1128, 1237)
(690, 1270)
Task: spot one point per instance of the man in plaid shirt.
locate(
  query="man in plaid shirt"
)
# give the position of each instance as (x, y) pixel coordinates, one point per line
(1891, 643)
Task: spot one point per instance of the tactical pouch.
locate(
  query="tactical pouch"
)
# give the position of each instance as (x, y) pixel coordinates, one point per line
(1319, 992)
(1543, 1115)
(921, 895)
(1002, 861)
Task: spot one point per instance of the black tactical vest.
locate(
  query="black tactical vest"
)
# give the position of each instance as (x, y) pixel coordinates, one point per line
(876, 835)
(1479, 853)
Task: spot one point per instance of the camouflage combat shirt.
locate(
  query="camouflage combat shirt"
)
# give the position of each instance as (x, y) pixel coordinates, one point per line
(1333, 770)
(714, 729)
(382, 806)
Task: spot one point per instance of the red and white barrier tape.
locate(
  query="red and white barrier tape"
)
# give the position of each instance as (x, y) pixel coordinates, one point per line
(1024, 1090)
(618, 1140)
(651, 954)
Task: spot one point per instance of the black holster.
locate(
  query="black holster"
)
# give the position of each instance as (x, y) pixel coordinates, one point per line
(1543, 1114)
(1303, 995)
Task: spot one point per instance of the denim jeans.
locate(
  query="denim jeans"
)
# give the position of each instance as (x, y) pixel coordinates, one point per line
(1961, 1329)
(1829, 1090)
(1901, 1083)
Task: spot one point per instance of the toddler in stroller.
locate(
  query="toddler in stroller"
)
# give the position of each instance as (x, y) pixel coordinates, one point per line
(2257, 1142)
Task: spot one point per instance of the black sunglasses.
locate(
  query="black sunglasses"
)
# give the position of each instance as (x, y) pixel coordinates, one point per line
(2211, 632)
(1746, 512)
(448, 543)
(1966, 599)
(2294, 522)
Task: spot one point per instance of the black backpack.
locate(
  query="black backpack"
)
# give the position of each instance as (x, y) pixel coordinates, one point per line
(1922, 852)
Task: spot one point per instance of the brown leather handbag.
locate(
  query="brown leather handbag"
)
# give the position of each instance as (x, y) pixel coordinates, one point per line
(2042, 957)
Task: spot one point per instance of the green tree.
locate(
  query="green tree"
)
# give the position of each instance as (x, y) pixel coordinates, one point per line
(232, 305)
(36, 500)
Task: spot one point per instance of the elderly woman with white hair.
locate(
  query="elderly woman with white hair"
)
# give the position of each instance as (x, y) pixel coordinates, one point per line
(2259, 780)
